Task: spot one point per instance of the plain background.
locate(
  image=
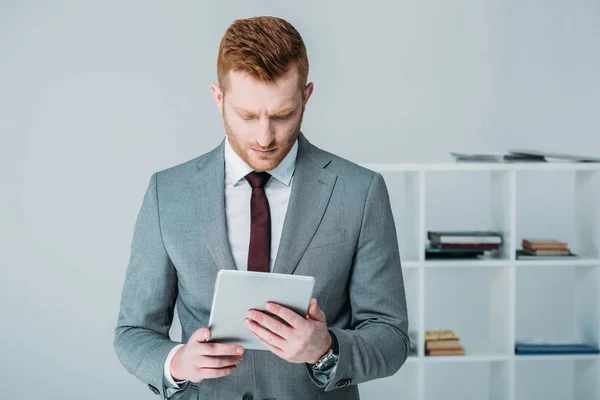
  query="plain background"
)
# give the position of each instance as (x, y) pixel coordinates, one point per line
(96, 96)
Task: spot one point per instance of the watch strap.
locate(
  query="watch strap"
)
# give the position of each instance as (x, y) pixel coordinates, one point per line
(334, 344)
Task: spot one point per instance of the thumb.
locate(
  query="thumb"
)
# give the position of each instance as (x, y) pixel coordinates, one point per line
(314, 312)
(201, 335)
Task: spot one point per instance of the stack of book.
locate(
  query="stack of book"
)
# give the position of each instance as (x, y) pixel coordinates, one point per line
(462, 244)
(443, 343)
(537, 249)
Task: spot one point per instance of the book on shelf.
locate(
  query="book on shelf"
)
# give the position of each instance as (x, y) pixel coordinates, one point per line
(435, 253)
(521, 255)
(537, 347)
(544, 244)
(443, 342)
(466, 246)
(464, 237)
(440, 334)
(546, 252)
(460, 351)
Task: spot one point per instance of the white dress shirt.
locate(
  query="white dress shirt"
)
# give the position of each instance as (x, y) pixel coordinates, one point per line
(237, 203)
(237, 212)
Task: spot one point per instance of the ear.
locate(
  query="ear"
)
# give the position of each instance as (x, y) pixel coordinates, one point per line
(218, 95)
(306, 93)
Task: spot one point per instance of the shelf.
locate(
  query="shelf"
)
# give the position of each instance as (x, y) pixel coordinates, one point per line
(493, 357)
(466, 263)
(571, 295)
(581, 262)
(467, 380)
(482, 357)
(410, 264)
(548, 166)
(491, 303)
(558, 357)
(540, 379)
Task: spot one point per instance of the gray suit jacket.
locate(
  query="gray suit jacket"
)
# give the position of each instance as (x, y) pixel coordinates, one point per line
(338, 228)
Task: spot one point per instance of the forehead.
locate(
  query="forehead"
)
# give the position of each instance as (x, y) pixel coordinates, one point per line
(251, 94)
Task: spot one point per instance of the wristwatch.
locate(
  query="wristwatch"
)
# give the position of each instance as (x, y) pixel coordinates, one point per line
(330, 358)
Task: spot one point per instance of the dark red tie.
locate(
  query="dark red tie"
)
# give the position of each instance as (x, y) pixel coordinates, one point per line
(260, 223)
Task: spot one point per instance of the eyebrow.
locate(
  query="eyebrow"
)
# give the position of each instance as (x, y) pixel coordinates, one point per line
(283, 111)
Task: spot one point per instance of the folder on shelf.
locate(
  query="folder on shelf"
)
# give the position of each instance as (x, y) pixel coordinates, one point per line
(532, 348)
(555, 155)
(496, 157)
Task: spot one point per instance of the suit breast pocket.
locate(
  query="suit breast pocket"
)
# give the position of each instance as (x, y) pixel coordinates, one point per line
(327, 238)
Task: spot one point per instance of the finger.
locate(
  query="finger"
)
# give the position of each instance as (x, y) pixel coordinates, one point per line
(219, 361)
(265, 334)
(274, 349)
(285, 314)
(315, 312)
(213, 373)
(272, 324)
(201, 335)
(220, 349)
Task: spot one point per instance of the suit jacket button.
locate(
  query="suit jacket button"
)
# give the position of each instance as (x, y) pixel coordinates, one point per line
(154, 390)
(343, 382)
(247, 397)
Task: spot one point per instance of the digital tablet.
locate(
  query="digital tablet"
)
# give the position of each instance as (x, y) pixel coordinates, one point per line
(236, 292)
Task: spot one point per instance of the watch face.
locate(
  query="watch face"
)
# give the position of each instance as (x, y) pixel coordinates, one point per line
(327, 362)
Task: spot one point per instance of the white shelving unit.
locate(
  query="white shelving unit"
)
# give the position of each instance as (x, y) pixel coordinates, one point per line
(492, 303)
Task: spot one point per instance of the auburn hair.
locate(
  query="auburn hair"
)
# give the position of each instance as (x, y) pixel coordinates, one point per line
(263, 47)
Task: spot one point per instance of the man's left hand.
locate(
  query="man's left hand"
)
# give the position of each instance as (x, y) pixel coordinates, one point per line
(303, 340)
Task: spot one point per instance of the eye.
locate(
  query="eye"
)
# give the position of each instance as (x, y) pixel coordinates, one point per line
(247, 117)
(282, 117)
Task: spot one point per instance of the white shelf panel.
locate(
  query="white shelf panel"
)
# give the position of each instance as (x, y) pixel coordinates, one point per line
(481, 357)
(558, 357)
(466, 263)
(493, 357)
(581, 262)
(410, 264)
(548, 166)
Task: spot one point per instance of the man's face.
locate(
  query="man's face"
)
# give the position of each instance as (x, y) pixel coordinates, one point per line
(262, 120)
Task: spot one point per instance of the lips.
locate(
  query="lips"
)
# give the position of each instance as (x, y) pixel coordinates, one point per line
(265, 152)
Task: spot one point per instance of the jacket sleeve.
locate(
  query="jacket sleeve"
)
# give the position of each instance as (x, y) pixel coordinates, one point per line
(377, 343)
(141, 337)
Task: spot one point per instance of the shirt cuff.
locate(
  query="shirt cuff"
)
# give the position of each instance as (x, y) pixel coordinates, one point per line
(325, 376)
(167, 369)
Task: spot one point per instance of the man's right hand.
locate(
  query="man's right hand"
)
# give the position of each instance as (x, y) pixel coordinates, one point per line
(198, 360)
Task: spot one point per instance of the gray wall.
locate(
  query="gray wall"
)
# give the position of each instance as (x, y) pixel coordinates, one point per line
(94, 97)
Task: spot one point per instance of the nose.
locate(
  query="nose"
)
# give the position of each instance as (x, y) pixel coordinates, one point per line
(266, 133)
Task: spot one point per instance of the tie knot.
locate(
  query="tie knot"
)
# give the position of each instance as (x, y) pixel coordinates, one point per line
(258, 179)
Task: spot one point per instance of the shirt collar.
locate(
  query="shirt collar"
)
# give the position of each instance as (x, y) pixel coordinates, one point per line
(236, 168)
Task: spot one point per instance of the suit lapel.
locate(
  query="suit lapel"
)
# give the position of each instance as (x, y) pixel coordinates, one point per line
(311, 189)
(209, 201)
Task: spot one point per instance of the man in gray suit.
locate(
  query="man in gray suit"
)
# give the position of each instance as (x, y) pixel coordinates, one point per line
(264, 200)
